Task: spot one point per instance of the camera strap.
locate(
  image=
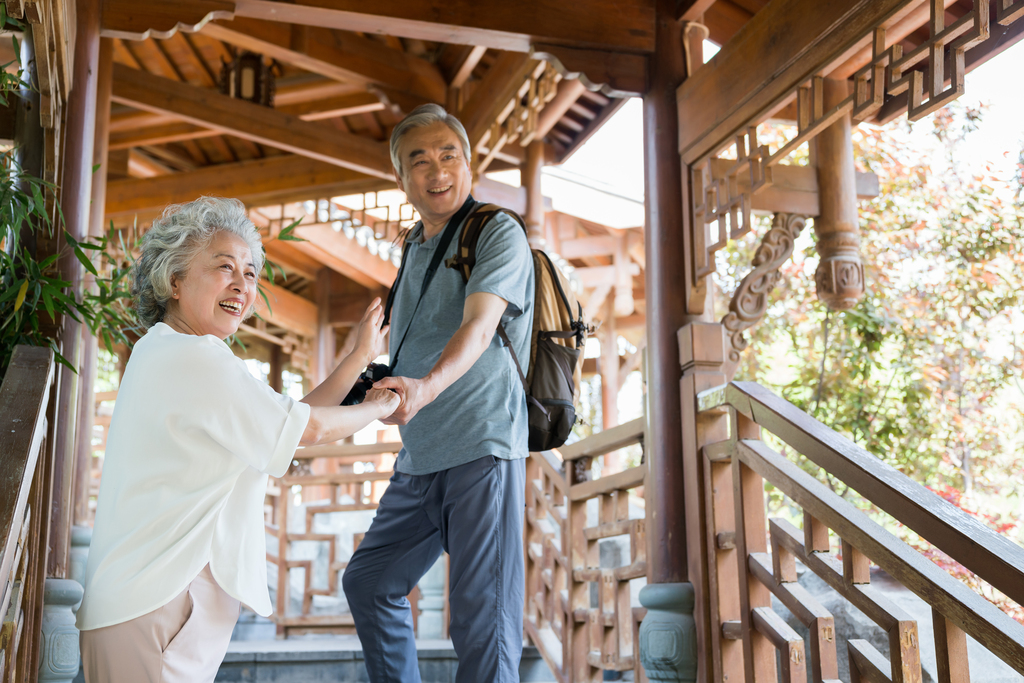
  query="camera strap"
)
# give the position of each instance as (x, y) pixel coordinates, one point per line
(435, 261)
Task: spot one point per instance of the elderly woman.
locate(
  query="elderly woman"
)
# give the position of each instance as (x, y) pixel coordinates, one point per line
(179, 538)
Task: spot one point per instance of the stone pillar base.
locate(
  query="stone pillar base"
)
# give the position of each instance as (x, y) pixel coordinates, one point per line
(59, 656)
(668, 634)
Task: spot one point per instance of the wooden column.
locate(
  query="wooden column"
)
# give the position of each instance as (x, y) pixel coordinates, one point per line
(87, 371)
(609, 380)
(275, 377)
(666, 558)
(839, 278)
(75, 194)
(534, 197)
(324, 331)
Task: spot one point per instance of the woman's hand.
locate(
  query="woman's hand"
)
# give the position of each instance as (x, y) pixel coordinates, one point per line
(370, 335)
(388, 401)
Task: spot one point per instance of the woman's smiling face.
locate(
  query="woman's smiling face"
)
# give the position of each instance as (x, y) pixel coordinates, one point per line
(217, 291)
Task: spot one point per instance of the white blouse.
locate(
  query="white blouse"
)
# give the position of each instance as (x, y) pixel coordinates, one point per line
(192, 440)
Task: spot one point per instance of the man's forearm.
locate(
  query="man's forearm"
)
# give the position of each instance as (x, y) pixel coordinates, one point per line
(463, 349)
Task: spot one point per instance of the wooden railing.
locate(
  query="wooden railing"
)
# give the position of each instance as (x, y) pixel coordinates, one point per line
(580, 634)
(25, 477)
(751, 558)
(347, 491)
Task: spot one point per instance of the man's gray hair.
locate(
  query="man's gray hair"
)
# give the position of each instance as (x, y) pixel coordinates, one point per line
(426, 115)
(176, 238)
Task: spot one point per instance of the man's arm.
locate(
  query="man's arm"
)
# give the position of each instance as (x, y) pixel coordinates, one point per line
(480, 317)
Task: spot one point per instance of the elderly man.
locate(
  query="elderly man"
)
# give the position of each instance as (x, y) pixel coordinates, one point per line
(459, 479)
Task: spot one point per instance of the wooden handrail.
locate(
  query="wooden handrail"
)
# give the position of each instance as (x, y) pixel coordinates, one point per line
(578, 638)
(975, 615)
(604, 442)
(995, 558)
(23, 397)
(346, 450)
(25, 496)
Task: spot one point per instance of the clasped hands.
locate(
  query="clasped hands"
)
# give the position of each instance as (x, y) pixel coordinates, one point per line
(400, 398)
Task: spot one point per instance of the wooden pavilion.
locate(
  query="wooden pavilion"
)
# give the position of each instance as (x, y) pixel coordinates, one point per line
(288, 105)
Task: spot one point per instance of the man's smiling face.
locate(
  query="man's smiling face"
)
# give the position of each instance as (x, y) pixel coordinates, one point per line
(435, 174)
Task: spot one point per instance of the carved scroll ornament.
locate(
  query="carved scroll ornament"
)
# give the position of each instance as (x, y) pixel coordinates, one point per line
(750, 301)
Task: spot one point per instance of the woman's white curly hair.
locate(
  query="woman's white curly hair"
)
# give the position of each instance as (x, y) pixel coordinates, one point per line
(177, 237)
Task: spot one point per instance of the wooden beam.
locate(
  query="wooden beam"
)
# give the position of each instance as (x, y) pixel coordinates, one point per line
(288, 310)
(151, 129)
(494, 92)
(692, 10)
(614, 74)
(349, 309)
(591, 128)
(794, 189)
(254, 182)
(348, 58)
(134, 20)
(622, 25)
(581, 247)
(569, 90)
(344, 255)
(616, 25)
(464, 67)
(285, 254)
(250, 121)
(783, 45)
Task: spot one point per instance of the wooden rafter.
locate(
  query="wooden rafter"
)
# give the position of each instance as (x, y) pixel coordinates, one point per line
(152, 130)
(254, 182)
(463, 68)
(344, 255)
(617, 25)
(263, 125)
(494, 93)
(289, 310)
(348, 58)
(615, 74)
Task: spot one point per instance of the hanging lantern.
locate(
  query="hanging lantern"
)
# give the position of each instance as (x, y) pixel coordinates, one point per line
(248, 77)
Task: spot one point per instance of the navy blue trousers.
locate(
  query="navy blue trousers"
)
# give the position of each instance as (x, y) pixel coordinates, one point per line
(473, 512)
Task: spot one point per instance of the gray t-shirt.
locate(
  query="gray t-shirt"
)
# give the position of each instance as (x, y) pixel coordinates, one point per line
(484, 411)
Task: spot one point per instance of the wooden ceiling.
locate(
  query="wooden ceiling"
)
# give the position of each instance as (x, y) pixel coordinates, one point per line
(349, 70)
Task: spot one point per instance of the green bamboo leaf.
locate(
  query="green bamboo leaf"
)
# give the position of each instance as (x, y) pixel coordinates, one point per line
(263, 294)
(287, 233)
(85, 261)
(48, 303)
(64, 361)
(21, 295)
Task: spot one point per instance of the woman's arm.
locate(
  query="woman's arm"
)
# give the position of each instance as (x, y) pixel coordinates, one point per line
(331, 423)
(369, 342)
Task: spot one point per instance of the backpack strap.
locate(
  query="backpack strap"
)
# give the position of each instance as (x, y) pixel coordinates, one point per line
(465, 253)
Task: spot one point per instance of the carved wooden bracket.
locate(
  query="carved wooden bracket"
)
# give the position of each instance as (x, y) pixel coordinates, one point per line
(134, 20)
(750, 301)
(613, 74)
(839, 278)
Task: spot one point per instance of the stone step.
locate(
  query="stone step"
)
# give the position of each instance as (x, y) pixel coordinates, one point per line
(340, 659)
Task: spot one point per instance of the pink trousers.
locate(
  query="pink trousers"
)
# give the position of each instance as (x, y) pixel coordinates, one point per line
(182, 642)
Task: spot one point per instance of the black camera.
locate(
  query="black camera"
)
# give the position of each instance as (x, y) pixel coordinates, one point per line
(374, 372)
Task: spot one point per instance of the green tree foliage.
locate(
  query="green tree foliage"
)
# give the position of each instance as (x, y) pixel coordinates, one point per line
(919, 372)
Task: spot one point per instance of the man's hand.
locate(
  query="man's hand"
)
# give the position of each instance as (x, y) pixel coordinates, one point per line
(387, 401)
(370, 335)
(414, 394)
